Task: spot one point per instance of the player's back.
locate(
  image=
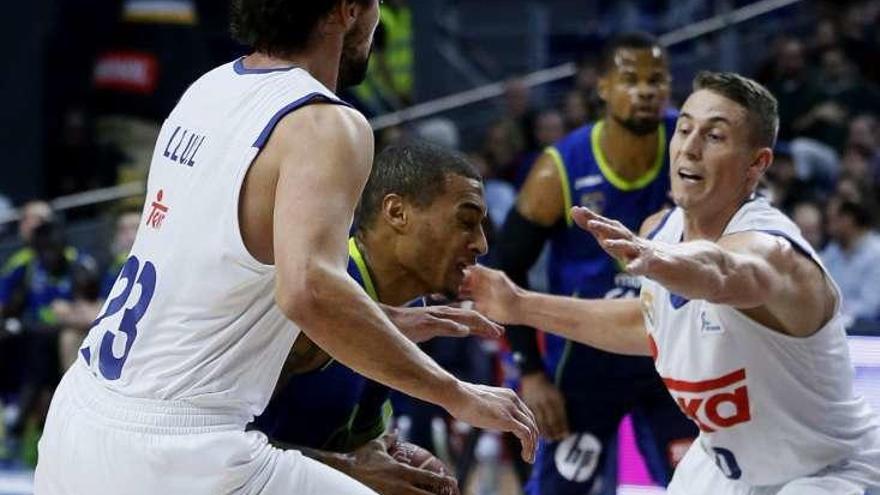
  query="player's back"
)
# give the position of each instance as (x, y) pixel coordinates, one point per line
(192, 315)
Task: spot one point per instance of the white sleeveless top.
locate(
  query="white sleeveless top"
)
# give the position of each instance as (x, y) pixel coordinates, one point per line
(770, 407)
(192, 316)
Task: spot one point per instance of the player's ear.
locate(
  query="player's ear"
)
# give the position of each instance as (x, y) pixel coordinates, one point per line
(344, 14)
(395, 211)
(760, 163)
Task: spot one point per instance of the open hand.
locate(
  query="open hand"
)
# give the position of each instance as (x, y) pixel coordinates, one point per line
(635, 253)
(373, 466)
(422, 324)
(499, 409)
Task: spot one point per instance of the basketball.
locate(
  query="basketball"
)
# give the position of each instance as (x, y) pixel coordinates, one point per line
(417, 457)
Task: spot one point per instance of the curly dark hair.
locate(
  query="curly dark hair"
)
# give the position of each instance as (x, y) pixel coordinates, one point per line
(279, 27)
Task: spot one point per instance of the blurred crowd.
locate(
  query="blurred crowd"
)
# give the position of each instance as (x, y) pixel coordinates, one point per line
(826, 175)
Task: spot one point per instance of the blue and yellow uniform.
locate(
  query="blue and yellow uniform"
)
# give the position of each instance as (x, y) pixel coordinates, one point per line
(23, 274)
(600, 388)
(332, 408)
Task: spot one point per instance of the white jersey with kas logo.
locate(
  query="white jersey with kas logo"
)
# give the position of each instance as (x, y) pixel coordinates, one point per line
(192, 316)
(770, 407)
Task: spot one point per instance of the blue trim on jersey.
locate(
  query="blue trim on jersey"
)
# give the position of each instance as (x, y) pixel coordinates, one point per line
(677, 301)
(305, 100)
(656, 230)
(241, 70)
(794, 242)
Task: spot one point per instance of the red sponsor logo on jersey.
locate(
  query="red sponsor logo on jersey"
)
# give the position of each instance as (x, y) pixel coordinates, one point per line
(158, 212)
(128, 71)
(713, 404)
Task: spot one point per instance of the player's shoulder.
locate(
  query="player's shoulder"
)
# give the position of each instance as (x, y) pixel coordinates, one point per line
(325, 124)
(654, 222)
(577, 139)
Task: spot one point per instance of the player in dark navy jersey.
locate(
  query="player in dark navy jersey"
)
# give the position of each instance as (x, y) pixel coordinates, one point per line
(419, 225)
(617, 166)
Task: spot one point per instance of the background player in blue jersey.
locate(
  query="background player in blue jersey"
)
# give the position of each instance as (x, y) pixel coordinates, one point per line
(617, 166)
(419, 225)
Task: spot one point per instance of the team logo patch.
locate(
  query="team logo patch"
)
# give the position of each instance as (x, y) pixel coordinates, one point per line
(714, 404)
(158, 212)
(577, 457)
(594, 201)
(707, 325)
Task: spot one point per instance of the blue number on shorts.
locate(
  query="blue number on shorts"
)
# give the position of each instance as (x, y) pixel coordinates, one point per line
(726, 462)
(110, 365)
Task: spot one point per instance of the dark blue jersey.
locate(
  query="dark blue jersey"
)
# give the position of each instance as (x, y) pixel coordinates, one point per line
(578, 266)
(333, 407)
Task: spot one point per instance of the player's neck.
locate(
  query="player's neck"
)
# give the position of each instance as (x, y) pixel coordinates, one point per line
(630, 155)
(395, 286)
(708, 223)
(318, 61)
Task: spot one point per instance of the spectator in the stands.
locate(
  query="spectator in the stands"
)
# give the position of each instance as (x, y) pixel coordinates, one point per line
(841, 93)
(853, 257)
(861, 157)
(33, 214)
(28, 296)
(575, 110)
(123, 239)
(503, 148)
(792, 84)
(807, 215)
(548, 128)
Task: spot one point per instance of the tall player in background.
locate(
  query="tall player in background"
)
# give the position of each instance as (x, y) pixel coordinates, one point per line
(742, 319)
(419, 223)
(251, 192)
(619, 166)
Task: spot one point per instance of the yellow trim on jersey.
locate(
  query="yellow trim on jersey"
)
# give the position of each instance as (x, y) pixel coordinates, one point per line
(609, 173)
(358, 258)
(563, 179)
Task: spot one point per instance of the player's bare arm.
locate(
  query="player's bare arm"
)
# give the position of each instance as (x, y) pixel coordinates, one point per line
(315, 291)
(417, 324)
(613, 325)
(541, 200)
(760, 274)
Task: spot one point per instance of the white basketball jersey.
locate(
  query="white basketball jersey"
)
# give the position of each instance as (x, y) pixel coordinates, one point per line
(770, 407)
(192, 315)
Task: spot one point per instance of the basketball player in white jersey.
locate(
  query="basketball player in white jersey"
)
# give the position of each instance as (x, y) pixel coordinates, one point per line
(740, 315)
(243, 244)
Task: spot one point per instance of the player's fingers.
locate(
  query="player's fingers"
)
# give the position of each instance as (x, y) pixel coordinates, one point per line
(527, 437)
(621, 248)
(581, 215)
(427, 480)
(521, 404)
(388, 440)
(476, 323)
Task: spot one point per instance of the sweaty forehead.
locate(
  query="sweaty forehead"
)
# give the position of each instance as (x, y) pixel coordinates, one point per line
(636, 58)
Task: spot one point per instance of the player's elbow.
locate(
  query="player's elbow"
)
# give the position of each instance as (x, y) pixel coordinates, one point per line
(304, 295)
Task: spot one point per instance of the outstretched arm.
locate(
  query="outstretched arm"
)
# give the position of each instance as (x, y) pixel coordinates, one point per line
(761, 274)
(613, 325)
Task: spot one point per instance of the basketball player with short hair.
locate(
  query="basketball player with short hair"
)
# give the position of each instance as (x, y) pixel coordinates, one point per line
(737, 310)
(243, 243)
(419, 223)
